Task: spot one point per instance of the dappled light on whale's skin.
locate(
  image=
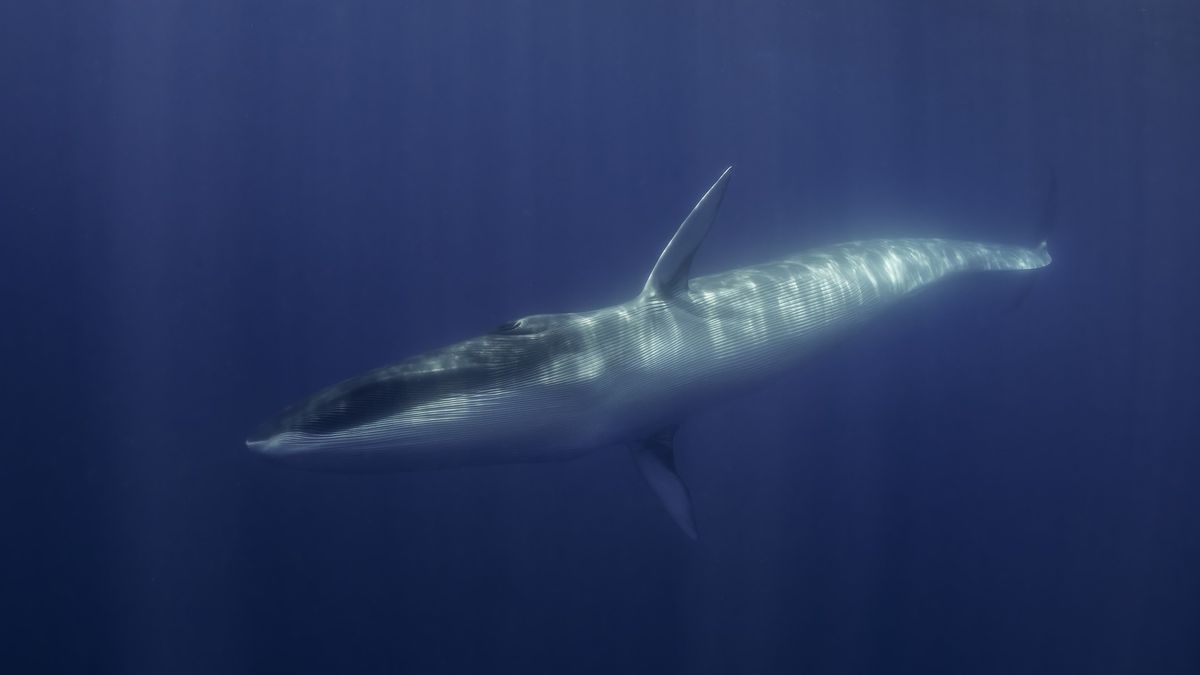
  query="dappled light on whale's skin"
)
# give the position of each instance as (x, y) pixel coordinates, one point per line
(552, 386)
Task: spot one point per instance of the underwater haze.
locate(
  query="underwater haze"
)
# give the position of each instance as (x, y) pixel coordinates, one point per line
(213, 209)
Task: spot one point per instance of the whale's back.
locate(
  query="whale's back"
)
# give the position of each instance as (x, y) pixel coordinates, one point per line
(776, 311)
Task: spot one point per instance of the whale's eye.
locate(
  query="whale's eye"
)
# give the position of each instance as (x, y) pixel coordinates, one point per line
(526, 326)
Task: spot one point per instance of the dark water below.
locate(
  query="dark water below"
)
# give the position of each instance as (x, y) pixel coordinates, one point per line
(213, 208)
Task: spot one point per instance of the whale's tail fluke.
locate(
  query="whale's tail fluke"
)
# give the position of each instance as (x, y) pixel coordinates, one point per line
(1047, 218)
(1048, 215)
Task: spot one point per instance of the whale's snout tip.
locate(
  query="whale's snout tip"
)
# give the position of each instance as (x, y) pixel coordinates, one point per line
(272, 448)
(263, 442)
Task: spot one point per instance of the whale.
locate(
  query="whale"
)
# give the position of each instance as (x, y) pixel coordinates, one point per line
(554, 386)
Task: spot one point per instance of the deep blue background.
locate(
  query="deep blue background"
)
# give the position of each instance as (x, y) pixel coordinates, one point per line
(212, 208)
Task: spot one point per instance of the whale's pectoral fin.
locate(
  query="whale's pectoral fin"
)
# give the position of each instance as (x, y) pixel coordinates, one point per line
(655, 456)
(671, 272)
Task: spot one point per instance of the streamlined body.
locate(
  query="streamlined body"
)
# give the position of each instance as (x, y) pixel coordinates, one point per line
(550, 387)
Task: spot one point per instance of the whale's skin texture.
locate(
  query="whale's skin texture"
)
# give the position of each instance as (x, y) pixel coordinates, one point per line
(553, 386)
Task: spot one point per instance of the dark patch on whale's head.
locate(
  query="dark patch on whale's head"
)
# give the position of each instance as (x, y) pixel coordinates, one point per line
(509, 356)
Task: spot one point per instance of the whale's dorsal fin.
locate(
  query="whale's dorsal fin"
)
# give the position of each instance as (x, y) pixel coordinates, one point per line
(671, 272)
(655, 456)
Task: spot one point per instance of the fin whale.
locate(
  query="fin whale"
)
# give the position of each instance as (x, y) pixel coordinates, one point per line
(553, 386)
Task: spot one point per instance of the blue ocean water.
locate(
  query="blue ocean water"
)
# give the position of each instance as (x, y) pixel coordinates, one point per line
(212, 209)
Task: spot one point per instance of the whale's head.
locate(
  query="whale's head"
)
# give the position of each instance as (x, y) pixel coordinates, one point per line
(511, 390)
